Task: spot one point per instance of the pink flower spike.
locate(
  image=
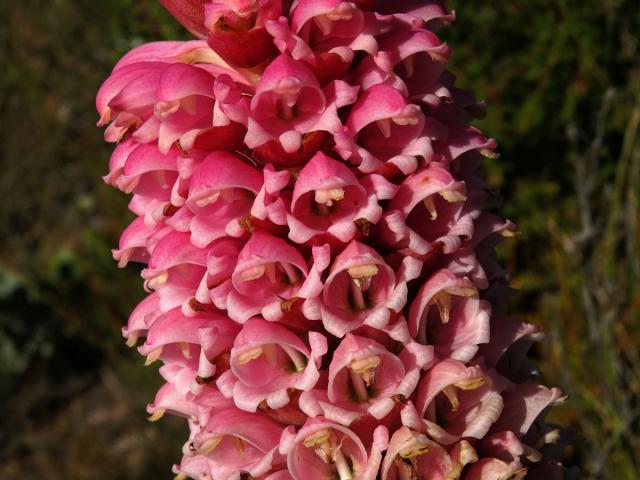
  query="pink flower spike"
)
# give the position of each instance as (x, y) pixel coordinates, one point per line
(324, 291)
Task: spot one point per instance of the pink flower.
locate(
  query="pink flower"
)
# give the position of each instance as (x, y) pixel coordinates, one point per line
(201, 337)
(328, 198)
(448, 314)
(175, 269)
(234, 441)
(428, 209)
(410, 60)
(221, 192)
(325, 35)
(362, 289)
(322, 449)
(365, 378)
(413, 455)
(455, 402)
(384, 127)
(165, 100)
(289, 103)
(269, 272)
(267, 361)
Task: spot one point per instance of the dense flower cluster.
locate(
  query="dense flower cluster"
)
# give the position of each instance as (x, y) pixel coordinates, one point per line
(323, 290)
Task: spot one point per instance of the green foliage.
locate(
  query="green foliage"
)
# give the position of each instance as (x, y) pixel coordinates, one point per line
(560, 78)
(562, 83)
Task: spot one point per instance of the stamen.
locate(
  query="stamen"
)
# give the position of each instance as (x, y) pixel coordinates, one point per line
(414, 450)
(252, 273)
(157, 281)
(132, 339)
(406, 470)
(323, 209)
(452, 395)
(361, 276)
(358, 297)
(327, 197)
(299, 360)
(462, 291)
(465, 456)
(287, 305)
(286, 110)
(406, 120)
(184, 348)
(385, 127)
(164, 109)
(320, 441)
(250, 355)
(239, 444)
(436, 57)
(430, 205)
(452, 196)
(157, 415)
(270, 269)
(343, 11)
(489, 153)
(363, 373)
(288, 89)
(362, 272)
(160, 176)
(442, 300)
(211, 198)
(365, 367)
(407, 460)
(470, 383)
(153, 356)
(209, 445)
(124, 258)
(342, 466)
(270, 353)
(359, 386)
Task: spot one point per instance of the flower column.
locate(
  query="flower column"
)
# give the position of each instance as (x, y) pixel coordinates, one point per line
(323, 292)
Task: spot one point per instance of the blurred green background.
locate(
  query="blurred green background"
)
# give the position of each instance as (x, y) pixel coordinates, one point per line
(562, 81)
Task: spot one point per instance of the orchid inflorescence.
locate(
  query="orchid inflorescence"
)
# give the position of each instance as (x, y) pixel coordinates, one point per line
(323, 289)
